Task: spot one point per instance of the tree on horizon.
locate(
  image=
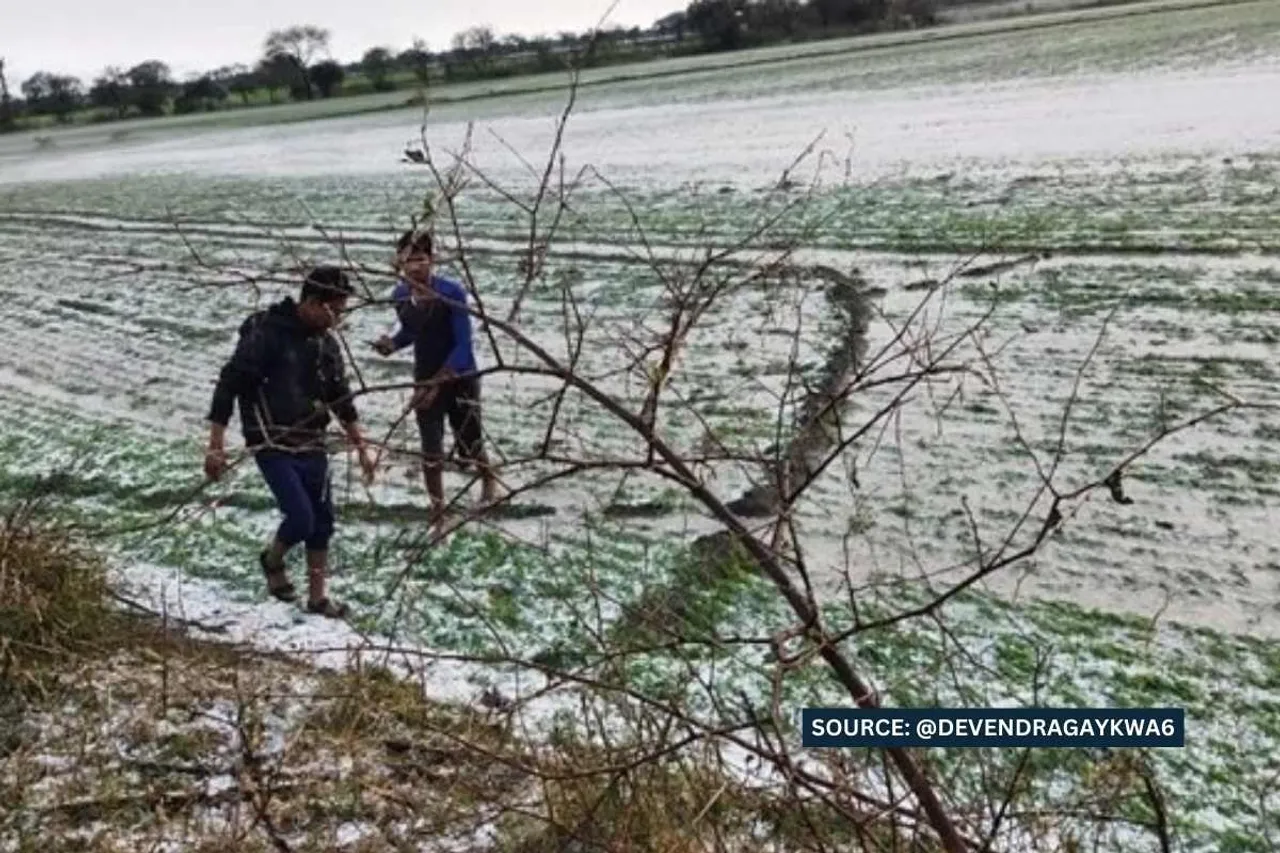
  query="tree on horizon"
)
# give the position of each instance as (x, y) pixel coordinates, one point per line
(298, 46)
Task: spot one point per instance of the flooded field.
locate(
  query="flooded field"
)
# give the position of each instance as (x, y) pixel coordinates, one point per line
(1140, 154)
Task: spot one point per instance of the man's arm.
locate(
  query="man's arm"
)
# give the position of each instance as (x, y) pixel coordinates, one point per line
(340, 400)
(402, 338)
(243, 372)
(354, 435)
(403, 335)
(338, 394)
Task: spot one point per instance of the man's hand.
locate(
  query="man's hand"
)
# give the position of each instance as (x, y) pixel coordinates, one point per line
(423, 398)
(215, 463)
(424, 395)
(384, 345)
(368, 465)
(215, 454)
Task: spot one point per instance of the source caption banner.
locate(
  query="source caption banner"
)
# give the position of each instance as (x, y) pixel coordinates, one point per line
(993, 727)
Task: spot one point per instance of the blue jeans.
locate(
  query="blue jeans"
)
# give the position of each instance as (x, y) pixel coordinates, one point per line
(300, 483)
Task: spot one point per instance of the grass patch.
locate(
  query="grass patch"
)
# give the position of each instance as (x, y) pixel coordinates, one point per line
(53, 595)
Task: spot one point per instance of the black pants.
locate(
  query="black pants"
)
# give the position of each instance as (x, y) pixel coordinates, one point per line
(300, 484)
(459, 401)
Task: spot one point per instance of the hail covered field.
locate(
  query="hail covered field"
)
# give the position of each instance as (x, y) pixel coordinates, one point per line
(1137, 154)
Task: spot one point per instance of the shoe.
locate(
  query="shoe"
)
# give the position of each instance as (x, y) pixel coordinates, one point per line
(328, 608)
(278, 583)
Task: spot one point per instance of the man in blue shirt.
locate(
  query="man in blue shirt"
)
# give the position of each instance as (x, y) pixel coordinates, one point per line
(433, 316)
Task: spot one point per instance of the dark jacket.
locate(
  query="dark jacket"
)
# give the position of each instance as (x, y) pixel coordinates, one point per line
(439, 329)
(285, 378)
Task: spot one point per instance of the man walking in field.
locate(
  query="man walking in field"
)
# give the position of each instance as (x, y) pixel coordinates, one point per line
(433, 316)
(287, 375)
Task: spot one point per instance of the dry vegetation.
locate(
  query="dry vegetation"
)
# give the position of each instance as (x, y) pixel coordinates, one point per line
(122, 731)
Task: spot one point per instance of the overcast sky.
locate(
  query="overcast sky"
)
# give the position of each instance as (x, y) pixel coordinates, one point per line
(81, 37)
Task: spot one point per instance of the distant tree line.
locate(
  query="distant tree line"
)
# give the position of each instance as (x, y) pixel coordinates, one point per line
(296, 64)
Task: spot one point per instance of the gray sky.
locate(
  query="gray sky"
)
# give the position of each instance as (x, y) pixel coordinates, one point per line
(81, 37)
